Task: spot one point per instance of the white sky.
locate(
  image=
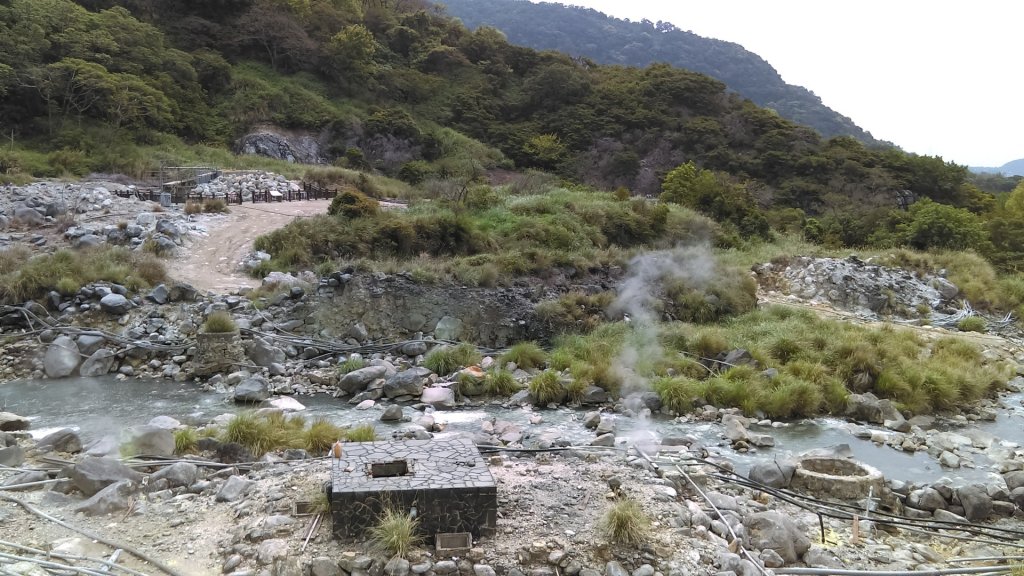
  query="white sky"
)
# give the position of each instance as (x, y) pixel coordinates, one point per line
(935, 77)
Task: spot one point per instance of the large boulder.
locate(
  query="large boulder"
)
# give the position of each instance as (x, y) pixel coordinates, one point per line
(150, 440)
(89, 342)
(448, 328)
(975, 501)
(113, 498)
(263, 353)
(775, 474)
(776, 531)
(115, 304)
(438, 397)
(251, 391)
(29, 216)
(99, 363)
(12, 456)
(234, 489)
(63, 440)
(407, 383)
(866, 408)
(358, 380)
(61, 358)
(90, 475)
(926, 499)
(10, 422)
(177, 474)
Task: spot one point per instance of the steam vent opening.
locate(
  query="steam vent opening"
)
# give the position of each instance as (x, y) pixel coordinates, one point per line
(444, 482)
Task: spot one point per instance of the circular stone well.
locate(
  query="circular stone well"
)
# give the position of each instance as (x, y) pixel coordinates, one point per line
(837, 478)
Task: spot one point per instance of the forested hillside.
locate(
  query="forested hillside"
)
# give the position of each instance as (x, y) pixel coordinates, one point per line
(592, 34)
(401, 89)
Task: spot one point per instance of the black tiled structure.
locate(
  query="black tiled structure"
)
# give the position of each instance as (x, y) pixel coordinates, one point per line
(445, 480)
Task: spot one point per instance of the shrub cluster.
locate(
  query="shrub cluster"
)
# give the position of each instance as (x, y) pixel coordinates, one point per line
(24, 276)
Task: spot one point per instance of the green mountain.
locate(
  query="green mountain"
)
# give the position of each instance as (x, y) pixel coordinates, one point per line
(592, 34)
(1011, 168)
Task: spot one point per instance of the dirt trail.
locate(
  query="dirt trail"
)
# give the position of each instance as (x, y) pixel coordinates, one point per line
(213, 262)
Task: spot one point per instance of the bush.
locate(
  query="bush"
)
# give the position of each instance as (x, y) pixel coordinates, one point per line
(185, 440)
(220, 322)
(626, 523)
(575, 312)
(546, 388)
(261, 434)
(500, 383)
(448, 359)
(321, 435)
(972, 324)
(394, 534)
(353, 204)
(526, 355)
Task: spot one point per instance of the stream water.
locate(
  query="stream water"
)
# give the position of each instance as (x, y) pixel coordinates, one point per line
(103, 406)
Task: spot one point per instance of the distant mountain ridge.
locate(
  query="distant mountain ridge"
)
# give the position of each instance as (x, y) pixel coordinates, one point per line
(1011, 168)
(606, 40)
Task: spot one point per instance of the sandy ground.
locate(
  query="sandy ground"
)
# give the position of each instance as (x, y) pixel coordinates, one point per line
(213, 262)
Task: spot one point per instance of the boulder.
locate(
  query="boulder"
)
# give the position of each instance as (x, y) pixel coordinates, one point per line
(10, 422)
(392, 413)
(164, 422)
(90, 342)
(115, 304)
(29, 216)
(975, 501)
(234, 489)
(99, 363)
(735, 427)
(63, 440)
(1014, 480)
(448, 328)
(776, 531)
(776, 474)
(90, 475)
(251, 391)
(358, 380)
(113, 498)
(150, 441)
(414, 348)
(177, 474)
(160, 294)
(864, 407)
(407, 383)
(594, 395)
(926, 499)
(262, 353)
(30, 477)
(61, 358)
(438, 397)
(12, 456)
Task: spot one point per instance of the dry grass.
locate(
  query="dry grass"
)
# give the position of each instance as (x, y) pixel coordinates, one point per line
(626, 523)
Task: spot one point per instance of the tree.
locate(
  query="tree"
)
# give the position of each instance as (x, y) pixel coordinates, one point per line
(943, 227)
(545, 150)
(689, 185)
(1015, 202)
(350, 54)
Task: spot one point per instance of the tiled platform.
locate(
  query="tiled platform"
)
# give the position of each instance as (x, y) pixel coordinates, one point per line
(445, 480)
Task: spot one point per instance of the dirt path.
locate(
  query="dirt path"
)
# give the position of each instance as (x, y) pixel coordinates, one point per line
(213, 262)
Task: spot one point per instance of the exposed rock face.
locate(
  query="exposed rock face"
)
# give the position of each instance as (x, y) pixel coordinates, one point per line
(62, 358)
(300, 148)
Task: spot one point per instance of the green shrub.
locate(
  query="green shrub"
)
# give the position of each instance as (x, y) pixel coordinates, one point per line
(220, 322)
(574, 312)
(546, 388)
(500, 383)
(395, 533)
(972, 324)
(67, 286)
(321, 435)
(625, 522)
(526, 355)
(185, 440)
(447, 359)
(351, 364)
(361, 433)
(680, 395)
(353, 204)
(262, 434)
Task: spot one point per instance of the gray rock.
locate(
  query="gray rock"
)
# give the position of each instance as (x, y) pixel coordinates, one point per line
(926, 499)
(358, 380)
(10, 422)
(448, 328)
(445, 567)
(160, 294)
(113, 498)
(115, 304)
(864, 407)
(99, 363)
(63, 440)
(164, 422)
(594, 395)
(413, 349)
(61, 358)
(818, 557)
(168, 228)
(12, 456)
(483, 570)
(521, 398)
(359, 332)
(397, 567)
(324, 567)
(392, 413)
(613, 568)
(1014, 480)
(775, 531)
(234, 488)
(32, 476)
(735, 427)
(271, 550)
(251, 391)
(438, 397)
(945, 288)
(150, 441)
(298, 148)
(591, 420)
(264, 354)
(90, 475)
(87, 241)
(407, 383)
(177, 474)
(29, 216)
(775, 474)
(976, 502)
(90, 342)
(771, 559)
(604, 440)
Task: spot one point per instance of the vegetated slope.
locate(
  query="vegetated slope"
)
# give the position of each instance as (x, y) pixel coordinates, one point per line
(607, 40)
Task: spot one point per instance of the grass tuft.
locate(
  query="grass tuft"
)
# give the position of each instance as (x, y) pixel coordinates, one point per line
(500, 383)
(546, 388)
(361, 433)
(626, 523)
(351, 365)
(972, 324)
(321, 435)
(526, 355)
(185, 440)
(448, 359)
(395, 533)
(220, 322)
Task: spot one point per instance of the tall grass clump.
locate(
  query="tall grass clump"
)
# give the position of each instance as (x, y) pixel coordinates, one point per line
(525, 355)
(625, 522)
(395, 533)
(500, 383)
(546, 388)
(448, 359)
(321, 435)
(219, 322)
(262, 434)
(361, 433)
(24, 276)
(351, 364)
(185, 440)
(972, 324)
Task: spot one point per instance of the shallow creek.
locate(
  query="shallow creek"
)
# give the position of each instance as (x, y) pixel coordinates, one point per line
(102, 406)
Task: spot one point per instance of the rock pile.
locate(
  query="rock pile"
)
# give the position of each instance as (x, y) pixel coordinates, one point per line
(248, 183)
(859, 286)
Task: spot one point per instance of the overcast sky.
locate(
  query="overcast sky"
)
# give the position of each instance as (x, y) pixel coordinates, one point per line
(934, 77)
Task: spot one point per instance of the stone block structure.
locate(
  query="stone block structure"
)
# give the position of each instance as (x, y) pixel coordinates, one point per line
(444, 482)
